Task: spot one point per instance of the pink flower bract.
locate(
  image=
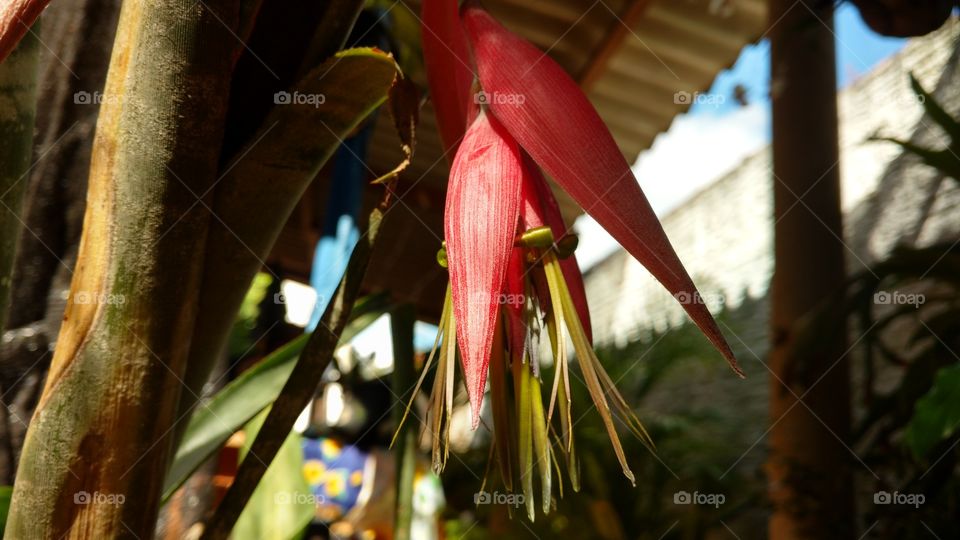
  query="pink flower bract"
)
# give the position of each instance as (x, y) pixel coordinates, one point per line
(480, 224)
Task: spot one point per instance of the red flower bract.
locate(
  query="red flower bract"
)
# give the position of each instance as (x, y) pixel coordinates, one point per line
(556, 124)
(449, 70)
(480, 224)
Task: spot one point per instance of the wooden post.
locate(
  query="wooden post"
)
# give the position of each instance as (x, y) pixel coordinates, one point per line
(808, 466)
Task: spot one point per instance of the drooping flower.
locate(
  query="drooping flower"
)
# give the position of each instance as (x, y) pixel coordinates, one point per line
(556, 124)
(514, 281)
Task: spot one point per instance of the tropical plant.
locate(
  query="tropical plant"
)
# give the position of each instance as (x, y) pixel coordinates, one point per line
(509, 254)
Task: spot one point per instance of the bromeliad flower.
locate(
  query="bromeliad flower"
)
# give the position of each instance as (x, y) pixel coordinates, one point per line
(513, 276)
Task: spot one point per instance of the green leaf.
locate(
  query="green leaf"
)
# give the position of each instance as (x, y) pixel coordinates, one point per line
(232, 407)
(937, 414)
(5, 493)
(282, 505)
(240, 400)
(241, 340)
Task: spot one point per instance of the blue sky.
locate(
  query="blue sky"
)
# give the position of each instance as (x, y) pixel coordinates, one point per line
(724, 135)
(858, 50)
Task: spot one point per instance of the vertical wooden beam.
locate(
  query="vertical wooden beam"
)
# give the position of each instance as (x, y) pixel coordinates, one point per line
(809, 465)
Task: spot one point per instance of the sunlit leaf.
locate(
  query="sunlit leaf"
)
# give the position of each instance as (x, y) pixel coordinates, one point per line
(937, 414)
(240, 400)
(282, 505)
(5, 493)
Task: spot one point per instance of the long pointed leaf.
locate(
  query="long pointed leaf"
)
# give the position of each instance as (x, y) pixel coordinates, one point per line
(300, 386)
